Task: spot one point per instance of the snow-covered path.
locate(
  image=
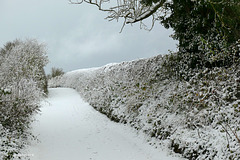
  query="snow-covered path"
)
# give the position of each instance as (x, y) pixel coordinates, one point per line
(70, 129)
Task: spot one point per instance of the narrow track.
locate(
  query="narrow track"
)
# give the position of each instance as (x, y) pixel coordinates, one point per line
(70, 129)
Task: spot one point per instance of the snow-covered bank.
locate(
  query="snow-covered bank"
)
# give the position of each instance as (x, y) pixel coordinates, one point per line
(70, 129)
(198, 117)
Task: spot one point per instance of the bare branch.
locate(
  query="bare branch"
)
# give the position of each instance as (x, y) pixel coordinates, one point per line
(123, 25)
(131, 11)
(149, 12)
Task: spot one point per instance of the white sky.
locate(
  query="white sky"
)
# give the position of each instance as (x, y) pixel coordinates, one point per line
(78, 36)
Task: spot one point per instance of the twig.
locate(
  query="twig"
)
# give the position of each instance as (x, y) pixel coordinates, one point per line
(234, 133)
(227, 134)
(148, 13)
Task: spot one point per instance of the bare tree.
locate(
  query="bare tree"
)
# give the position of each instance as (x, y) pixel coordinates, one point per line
(55, 72)
(131, 10)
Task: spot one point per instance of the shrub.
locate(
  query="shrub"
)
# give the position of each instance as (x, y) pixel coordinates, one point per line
(55, 72)
(23, 83)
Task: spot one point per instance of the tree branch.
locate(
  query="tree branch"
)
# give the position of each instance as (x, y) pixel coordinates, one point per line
(148, 13)
(131, 10)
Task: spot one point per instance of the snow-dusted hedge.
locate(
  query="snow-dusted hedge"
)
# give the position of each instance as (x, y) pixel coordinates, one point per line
(197, 117)
(22, 84)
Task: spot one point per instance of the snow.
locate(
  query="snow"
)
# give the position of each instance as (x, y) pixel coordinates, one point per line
(189, 117)
(69, 128)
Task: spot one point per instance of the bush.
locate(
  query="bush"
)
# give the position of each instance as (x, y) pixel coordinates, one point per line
(23, 83)
(55, 72)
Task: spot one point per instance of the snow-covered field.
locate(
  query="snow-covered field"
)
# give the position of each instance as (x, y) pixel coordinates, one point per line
(70, 129)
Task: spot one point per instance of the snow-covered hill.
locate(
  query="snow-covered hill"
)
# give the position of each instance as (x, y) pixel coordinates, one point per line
(198, 117)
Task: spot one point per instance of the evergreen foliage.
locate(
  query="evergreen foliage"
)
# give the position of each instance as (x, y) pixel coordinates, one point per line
(204, 28)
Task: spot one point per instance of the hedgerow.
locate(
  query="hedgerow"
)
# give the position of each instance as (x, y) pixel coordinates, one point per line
(193, 110)
(22, 85)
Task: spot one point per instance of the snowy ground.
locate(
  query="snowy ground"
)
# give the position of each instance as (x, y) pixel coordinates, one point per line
(70, 129)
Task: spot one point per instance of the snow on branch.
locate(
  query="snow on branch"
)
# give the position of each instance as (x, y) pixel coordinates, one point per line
(148, 13)
(131, 11)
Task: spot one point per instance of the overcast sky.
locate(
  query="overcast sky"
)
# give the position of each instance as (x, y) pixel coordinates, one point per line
(78, 36)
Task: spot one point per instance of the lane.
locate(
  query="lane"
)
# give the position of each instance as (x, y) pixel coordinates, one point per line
(70, 129)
